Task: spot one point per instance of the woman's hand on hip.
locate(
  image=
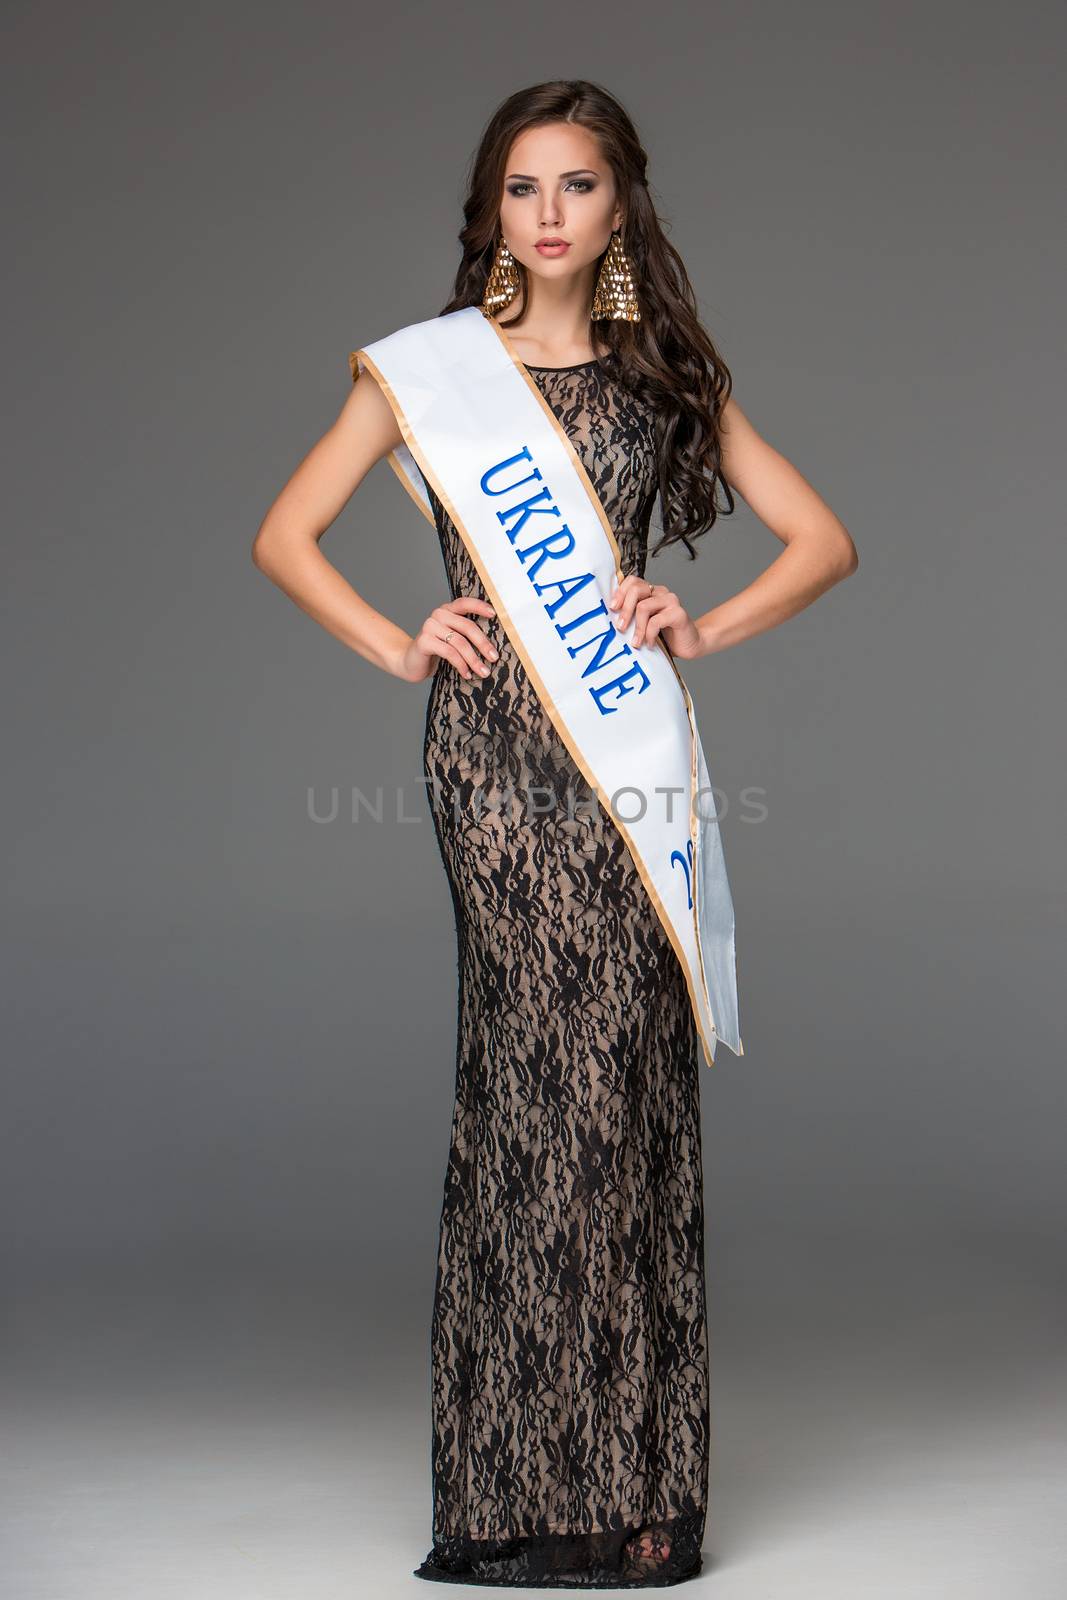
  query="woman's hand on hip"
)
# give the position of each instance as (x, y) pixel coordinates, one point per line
(655, 610)
(449, 634)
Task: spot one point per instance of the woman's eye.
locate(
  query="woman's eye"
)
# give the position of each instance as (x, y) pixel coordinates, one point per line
(518, 188)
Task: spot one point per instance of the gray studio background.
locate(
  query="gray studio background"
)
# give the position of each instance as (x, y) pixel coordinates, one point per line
(230, 1029)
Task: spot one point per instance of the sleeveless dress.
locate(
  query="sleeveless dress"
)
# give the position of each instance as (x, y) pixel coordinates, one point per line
(569, 1347)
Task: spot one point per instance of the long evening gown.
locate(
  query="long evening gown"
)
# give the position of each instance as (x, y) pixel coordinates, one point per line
(569, 1347)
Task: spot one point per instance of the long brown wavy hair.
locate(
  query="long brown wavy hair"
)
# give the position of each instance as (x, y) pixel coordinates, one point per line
(667, 357)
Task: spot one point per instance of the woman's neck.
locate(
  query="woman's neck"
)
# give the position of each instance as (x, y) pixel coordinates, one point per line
(556, 330)
(548, 346)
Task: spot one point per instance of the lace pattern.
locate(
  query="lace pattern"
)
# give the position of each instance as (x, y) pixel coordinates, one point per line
(569, 1382)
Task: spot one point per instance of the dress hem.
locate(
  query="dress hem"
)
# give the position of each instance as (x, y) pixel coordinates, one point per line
(576, 1581)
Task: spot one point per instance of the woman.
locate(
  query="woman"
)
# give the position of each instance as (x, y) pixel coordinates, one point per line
(569, 1336)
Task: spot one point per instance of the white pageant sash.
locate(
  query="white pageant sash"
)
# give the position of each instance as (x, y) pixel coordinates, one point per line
(488, 442)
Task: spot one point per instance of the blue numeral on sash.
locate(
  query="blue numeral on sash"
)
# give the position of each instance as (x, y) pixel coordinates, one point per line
(686, 863)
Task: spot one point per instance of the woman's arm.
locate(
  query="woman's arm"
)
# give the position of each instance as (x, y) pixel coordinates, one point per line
(818, 552)
(286, 547)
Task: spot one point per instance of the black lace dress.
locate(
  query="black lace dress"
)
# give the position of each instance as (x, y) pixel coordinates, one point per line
(569, 1342)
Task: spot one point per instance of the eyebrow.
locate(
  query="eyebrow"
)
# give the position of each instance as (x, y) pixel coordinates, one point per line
(580, 172)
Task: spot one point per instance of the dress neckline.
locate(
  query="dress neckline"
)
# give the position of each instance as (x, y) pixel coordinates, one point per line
(574, 367)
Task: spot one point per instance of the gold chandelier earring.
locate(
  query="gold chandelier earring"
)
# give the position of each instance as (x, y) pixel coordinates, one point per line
(615, 296)
(503, 282)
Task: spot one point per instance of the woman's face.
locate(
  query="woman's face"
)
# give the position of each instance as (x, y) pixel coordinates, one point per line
(557, 185)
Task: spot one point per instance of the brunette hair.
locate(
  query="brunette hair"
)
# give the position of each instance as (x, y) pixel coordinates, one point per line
(667, 357)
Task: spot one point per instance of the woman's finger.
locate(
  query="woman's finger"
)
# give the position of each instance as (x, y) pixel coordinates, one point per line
(630, 593)
(624, 587)
(645, 609)
(471, 602)
(661, 609)
(666, 613)
(451, 643)
(449, 618)
(447, 653)
(431, 641)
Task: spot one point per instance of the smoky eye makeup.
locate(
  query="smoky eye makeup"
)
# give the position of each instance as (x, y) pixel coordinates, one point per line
(518, 186)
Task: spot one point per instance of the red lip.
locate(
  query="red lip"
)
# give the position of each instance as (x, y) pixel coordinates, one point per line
(553, 243)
